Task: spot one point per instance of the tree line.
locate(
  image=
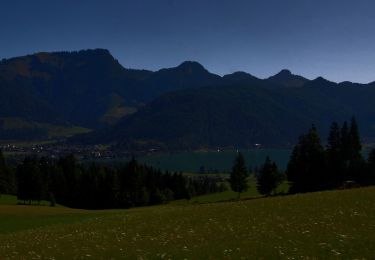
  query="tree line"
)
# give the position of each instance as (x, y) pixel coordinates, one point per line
(96, 186)
(313, 166)
(268, 176)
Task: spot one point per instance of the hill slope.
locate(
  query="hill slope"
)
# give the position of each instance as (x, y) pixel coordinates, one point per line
(87, 88)
(184, 107)
(335, 224)
(240, 116)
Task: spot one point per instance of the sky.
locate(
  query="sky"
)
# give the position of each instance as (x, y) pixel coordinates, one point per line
(330, 38)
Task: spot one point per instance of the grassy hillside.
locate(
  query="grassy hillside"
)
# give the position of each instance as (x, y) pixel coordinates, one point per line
(16, 128)
(337, 224)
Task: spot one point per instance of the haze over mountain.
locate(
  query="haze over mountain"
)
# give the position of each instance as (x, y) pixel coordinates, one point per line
(181, 107)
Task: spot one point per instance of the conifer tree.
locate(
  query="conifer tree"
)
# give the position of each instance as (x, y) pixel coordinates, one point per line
(239, 175)
(356, 164)
(355, 141)
(307, 164)
(334, 138)
(335, 166)
(268, 177)
(371, 167)
(345, 143)
(371, 157)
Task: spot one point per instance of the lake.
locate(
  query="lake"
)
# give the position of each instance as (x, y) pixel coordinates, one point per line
(220, 161)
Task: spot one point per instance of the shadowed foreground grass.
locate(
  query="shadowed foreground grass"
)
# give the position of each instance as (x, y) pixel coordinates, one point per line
(337, 224)
(15, 218)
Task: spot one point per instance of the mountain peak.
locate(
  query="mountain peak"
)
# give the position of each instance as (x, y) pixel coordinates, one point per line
(285, 72)
(239, 76)
(320, 81)
(287, 79)
(96, 51)
(191, 65)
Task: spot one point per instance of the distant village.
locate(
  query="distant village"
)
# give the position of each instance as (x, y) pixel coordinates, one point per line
(84, 152)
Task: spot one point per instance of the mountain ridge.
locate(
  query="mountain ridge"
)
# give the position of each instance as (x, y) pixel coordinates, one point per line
(91, 89)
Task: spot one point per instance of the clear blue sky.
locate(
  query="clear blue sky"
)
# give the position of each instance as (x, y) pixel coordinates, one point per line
(330, 38)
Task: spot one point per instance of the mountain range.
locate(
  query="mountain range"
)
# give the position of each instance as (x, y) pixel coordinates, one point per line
(185, 107)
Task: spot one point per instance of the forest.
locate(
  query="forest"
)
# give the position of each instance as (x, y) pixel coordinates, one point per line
(312, 167)
(67, 182)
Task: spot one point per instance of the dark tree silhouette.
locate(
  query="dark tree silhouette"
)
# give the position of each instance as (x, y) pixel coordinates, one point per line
(239, 175)
(371, 168)
(355, 141)
(268, 177)
(340, 165)
(356, 164)
(30, 182)
(335, 173)
(96, 186)
(307, 164)
(7, 178)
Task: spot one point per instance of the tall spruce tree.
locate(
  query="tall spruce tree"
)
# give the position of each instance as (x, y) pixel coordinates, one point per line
(345, 143)
(334, 138)
(306, 167)
(371, 168)
(268, 177)
(371, 157)
(356, 164)
(239, 175)
(335, 166)
(355, 141)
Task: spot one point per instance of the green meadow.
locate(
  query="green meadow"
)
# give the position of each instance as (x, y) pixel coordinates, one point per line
(325, 225)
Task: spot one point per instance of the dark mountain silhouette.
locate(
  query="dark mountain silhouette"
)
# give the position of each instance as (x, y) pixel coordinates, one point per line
(240, 116)
(181, 107)
(88, 88)
(79, 86)
(240, 77)
(287, 79)
(189, 74)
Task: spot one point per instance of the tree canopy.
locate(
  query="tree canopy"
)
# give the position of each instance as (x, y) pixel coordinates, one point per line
(239, 175)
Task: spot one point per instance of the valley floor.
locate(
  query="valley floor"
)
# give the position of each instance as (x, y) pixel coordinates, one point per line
(334, 224)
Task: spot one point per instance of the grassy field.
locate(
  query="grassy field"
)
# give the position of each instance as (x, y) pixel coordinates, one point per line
(333, 225)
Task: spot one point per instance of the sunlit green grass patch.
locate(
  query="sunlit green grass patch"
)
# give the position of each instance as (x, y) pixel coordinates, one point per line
(230, 195)
(8, 199)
